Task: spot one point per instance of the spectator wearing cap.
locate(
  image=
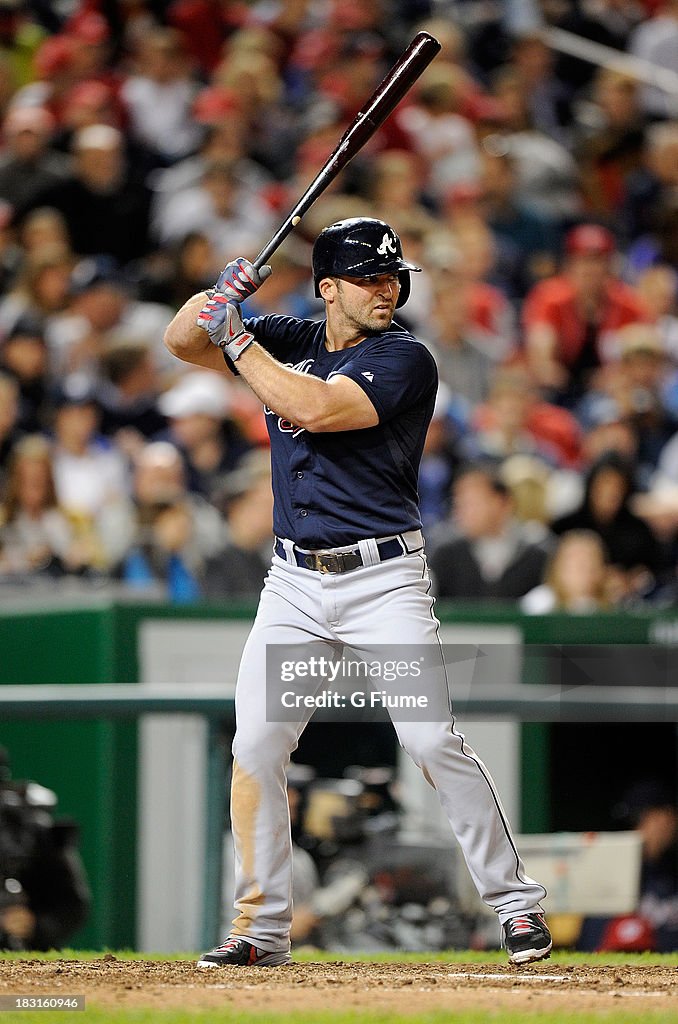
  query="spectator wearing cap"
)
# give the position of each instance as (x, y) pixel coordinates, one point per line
(490, 555)
(246, 499)
(569, 318)
(198, 409)
(88, 472)
(159, 97)
(162, 535)
(106, 210)
(28, 166)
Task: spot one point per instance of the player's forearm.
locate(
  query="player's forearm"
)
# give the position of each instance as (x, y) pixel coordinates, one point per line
(187, 341)
(301, 398)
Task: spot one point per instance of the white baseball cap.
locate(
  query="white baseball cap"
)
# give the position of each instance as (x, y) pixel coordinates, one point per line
(203, 392)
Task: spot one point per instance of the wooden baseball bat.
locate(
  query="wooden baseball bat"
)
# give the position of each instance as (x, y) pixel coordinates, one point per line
(402, 76)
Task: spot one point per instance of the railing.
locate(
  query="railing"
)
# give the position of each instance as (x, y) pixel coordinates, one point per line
(527, 703)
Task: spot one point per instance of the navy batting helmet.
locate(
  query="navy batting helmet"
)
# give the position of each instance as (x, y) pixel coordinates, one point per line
(361, 247)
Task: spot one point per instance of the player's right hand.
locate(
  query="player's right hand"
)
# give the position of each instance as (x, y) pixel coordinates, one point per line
(240, 279)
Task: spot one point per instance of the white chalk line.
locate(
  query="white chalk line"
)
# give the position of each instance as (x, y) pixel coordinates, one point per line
(538, 978)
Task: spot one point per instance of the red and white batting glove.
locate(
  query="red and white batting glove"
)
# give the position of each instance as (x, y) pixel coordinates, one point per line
(240, 279)
(222, 321)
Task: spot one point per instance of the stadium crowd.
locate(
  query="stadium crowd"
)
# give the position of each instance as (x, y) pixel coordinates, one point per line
(146, 142)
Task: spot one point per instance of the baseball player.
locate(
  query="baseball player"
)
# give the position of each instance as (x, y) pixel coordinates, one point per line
(348, 401)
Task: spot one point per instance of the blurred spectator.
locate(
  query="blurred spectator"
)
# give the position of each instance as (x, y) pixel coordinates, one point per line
(547, 176)
(652, 188)
(547, 97)
(162, 536)
(36, 536)
(656, 41)
(569, 318)
(128, 395)
(633, 550)
(88, 472)
(102, 312)
(649, 808)
(23, 356)
(526, 243)
(238, 570)
(492, 556)
(200, 427)
(439, 459)
(575, 580)
(159, 97)
(515, 421)
(437, 129)
(9, 416)
(456, 342)
(658, 291)
(28, 167)
(460, 259)
(41, 289)
(610, 149)
(43, 228)
(100, 201)
(231, 217)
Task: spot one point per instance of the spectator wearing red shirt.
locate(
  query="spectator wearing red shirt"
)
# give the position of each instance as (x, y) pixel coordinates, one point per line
(570, 319)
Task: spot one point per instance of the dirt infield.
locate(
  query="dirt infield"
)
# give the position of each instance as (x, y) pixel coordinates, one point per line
(398, 988)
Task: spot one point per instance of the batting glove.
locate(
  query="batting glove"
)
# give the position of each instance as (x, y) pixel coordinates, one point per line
(222, 321)
(240, 279)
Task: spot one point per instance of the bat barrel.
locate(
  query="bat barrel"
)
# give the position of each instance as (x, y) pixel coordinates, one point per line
(383, 101)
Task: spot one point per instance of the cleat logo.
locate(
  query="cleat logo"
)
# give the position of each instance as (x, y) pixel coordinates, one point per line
(387, 245)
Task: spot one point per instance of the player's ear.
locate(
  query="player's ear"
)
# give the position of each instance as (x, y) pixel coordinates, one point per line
(327, 287)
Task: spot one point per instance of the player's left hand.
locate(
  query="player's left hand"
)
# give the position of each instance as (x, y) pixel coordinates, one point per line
(222, 321)
(240, 279)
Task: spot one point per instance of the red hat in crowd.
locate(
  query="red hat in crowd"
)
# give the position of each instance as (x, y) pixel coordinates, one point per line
(88, 27)
(215, 103)
(54, 56)
(628, 934)
(590, 240)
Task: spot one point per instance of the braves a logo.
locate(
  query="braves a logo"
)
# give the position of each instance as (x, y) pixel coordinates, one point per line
(387, 245)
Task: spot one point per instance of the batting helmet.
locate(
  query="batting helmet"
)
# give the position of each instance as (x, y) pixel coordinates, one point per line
(361, 247)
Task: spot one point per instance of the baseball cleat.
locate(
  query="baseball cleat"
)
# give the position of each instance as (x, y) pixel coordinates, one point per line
(526, 938)
(238, 952)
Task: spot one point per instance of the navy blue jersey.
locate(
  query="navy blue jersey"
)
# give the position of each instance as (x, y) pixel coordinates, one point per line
(335, 488)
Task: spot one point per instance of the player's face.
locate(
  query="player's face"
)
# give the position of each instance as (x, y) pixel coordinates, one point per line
(366, 304)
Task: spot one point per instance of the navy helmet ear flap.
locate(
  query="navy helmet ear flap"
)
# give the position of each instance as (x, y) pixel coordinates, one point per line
(361, 247)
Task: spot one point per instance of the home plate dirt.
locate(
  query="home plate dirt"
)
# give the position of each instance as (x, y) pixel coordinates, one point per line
(398, 988)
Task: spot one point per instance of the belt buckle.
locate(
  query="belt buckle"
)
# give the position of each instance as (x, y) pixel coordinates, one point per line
(328, 562)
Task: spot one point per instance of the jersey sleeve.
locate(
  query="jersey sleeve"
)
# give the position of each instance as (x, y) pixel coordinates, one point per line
(274, 333)
(394, 373)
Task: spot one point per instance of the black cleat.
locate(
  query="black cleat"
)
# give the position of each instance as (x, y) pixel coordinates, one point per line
(527, 938)
(238, 952)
